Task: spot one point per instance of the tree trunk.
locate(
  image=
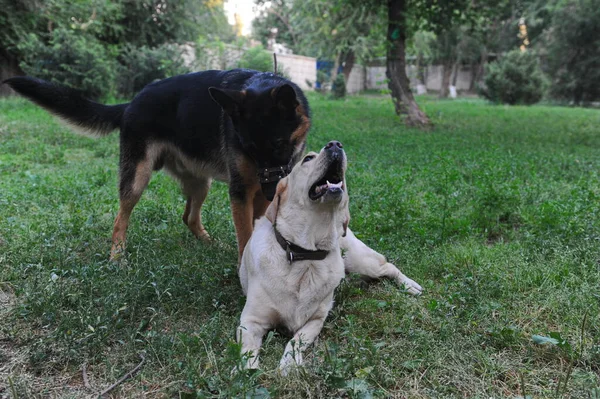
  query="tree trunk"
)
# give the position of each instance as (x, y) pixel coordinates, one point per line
(446, 75)
(9, 67)
(336, 66)
(421, 71)
(398, 82)
(348, 65)
(455, 73)
(478, 71)
(473, 71)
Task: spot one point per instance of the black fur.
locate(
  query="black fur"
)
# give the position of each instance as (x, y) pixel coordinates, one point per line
(70, 105)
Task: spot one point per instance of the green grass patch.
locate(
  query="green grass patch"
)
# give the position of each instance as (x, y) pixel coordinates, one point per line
(496, 212)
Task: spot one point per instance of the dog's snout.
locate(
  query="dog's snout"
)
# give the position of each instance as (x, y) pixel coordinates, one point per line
(334, 149)
(334, 144)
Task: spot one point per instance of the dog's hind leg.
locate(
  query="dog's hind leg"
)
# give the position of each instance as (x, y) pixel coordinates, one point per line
(134, 180)
(196, 191)
(361, 259)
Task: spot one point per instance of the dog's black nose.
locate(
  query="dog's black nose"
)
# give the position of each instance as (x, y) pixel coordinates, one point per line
(335, 144)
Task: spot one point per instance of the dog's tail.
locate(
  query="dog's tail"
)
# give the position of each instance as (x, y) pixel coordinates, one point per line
(69, 105)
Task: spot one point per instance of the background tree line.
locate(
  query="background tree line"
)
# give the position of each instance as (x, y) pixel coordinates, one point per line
(114, 48)
(561, 39)
(105, 47)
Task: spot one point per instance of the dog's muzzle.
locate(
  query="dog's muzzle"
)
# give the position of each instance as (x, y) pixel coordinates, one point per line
(269, 177)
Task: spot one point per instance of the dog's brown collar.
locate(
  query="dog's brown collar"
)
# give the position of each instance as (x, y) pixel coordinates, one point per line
(295, 253)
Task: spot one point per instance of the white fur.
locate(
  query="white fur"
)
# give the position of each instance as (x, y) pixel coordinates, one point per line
(300, 295)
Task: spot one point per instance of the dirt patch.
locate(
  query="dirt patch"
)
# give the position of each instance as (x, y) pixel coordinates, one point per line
(16, 380)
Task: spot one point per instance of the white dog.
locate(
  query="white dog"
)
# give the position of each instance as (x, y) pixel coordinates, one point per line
(293, 261)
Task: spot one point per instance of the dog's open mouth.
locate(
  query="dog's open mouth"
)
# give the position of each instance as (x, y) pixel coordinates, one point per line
(332, 182)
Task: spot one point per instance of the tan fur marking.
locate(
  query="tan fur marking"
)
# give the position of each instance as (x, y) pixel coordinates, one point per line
(242, 219)
(197, 192)
(120, 229)
(302, 130)
(247, 169)
(143, 172)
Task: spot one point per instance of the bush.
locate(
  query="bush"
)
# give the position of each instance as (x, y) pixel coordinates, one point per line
(72, 59)
(339, 86)
(143, 65)
(257, 58)
(515, 79)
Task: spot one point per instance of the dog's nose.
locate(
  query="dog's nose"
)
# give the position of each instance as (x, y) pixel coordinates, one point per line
(335, 144)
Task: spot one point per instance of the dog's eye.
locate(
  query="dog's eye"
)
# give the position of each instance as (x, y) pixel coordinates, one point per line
(308, 158)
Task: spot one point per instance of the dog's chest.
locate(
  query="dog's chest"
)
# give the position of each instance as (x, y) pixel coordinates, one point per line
(309, 291)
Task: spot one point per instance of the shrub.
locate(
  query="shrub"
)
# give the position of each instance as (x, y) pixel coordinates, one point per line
(143, 65)
(72, 59)
(515, 79)
(339, 86)
(257, 58)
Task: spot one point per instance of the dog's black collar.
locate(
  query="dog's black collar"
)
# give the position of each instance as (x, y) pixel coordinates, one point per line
(269, 177)
(295, 253)
(274, 174)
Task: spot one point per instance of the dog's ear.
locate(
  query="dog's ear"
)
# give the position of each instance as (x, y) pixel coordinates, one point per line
(229, 100)
(273, 208)
(285, 97)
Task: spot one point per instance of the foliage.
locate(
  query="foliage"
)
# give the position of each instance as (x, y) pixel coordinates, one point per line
(339, 87)
(142, 65)
(275, 14)
(573, 52)
(70, 59)
(515, 79)
(528, 266)
(41, 35)
(356, 28)
(421, 45)
(257, 58)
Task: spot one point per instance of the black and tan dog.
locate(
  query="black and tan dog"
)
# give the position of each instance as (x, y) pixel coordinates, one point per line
(240, 126)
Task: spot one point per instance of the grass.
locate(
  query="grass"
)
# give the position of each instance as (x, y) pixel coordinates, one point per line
(496, 212)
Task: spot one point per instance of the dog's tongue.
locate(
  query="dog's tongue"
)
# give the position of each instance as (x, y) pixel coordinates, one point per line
(328, 186)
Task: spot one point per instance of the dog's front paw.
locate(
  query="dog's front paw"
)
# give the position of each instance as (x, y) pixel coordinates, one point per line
(249, 365)
(289, 363)
(411, 286)
(285, 368)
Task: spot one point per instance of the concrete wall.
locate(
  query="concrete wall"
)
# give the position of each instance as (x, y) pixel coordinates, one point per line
(357, 79)
(301, 70)
(376, 78)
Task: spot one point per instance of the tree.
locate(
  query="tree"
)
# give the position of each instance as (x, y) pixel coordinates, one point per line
(275, 14)
(354, 32)
(573, 46)
(444, 18)
(421, 47)
(404, 101)
(58, 38)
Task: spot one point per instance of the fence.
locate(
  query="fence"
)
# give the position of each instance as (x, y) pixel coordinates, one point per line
(300, 69)
(373, 77)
